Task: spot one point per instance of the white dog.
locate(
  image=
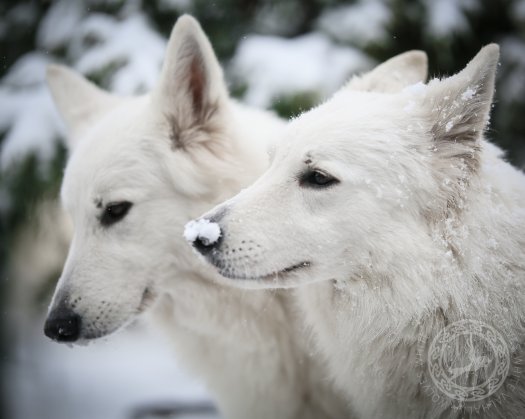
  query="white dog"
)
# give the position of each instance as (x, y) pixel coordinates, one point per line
(139, 169)
(397, 219)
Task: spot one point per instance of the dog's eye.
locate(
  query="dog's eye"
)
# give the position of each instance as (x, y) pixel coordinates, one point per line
(114, 212)
(317, 179)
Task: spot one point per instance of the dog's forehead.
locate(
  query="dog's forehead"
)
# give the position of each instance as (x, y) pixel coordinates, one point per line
(344, 112)
(133, 119)
(358, 117)
(112, 158)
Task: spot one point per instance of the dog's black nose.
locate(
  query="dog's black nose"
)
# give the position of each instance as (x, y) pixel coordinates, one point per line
(204, 245)
(204, 234)
(62, 325)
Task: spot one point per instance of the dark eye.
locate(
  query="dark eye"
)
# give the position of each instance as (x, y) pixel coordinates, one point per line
(115, 212)
(317, 179)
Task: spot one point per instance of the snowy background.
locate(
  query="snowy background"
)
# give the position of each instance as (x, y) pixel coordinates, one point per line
(285, 55)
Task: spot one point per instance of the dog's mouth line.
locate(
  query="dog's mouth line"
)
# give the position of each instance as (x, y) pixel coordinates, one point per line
(147, 299)
(271, 276)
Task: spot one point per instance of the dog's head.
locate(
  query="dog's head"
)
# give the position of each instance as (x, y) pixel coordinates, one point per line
(356, 183)
(139, 169)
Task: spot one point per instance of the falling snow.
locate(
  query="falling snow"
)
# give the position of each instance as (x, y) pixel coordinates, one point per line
(468, 94)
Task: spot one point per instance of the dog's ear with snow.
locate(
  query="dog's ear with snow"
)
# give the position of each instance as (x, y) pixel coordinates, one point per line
(191, 90)
(394, 74)
(78, 100)
(458, 109)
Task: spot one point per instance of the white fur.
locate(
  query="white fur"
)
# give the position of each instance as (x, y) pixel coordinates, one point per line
(173, 154)
(425, 227)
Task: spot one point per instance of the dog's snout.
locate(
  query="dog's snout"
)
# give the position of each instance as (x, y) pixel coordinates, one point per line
(63, 325)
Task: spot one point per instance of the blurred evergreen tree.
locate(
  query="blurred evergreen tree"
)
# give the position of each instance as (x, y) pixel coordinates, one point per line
(486, 21)
(18, 29)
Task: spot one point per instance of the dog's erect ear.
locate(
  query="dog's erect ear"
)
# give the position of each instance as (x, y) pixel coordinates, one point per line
(78, 100)
(458, 109)
(191, 88)
(394, 74)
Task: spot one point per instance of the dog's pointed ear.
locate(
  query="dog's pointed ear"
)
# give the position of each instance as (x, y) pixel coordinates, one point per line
(191, 88)
(458, 109)
(78, 100)
(394, 74)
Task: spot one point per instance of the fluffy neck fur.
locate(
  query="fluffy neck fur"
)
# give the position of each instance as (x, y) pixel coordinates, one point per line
(460, 269)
